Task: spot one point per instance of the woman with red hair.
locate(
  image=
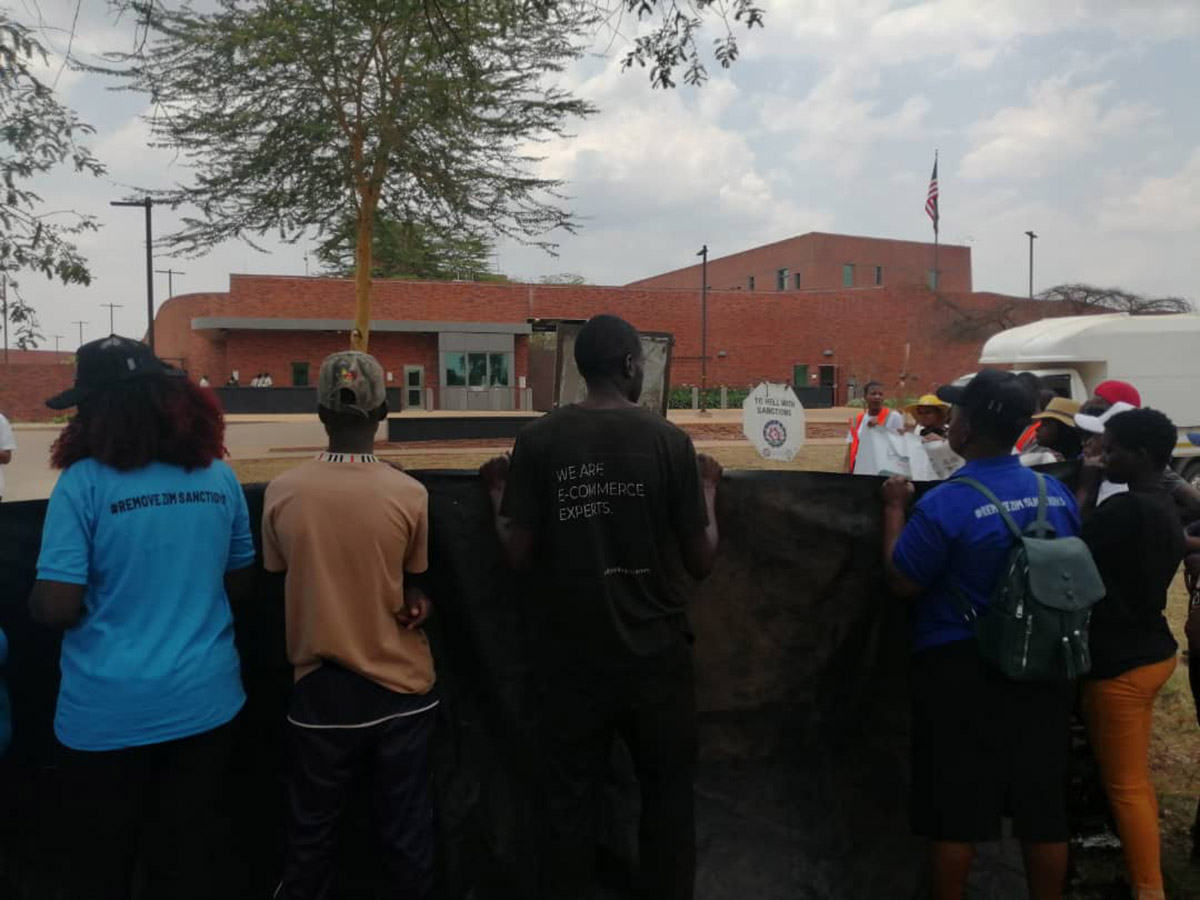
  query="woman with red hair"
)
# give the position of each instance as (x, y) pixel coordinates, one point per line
(146, 537)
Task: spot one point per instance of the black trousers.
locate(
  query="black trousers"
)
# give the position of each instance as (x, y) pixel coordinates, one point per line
(325, 762)
(653, 709)
(151, 808)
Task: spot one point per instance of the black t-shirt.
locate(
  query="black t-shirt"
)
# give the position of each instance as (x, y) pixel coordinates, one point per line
(1138, 544)
(608, 493)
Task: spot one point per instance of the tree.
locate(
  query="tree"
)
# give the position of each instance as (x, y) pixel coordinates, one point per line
(37, 134)
(409, 250)
(563, 278)
(672, 44)
(298, 115)
(1083, 298)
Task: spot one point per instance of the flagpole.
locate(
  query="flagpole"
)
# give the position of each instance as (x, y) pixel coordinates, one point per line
(937, 274)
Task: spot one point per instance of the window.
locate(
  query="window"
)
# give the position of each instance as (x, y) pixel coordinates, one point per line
(477, 369)
(299, 374)
(848, 275)
(781, 280)
(498, 370)
(933, 279)
(750, 283)
(879, 274)
(455, 365)
(800, 376)
(797, 278)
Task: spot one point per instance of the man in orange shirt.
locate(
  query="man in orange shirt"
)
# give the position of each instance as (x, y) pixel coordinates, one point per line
(351, 531)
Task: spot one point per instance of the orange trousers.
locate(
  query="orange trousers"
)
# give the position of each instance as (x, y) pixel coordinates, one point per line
(1119, 712)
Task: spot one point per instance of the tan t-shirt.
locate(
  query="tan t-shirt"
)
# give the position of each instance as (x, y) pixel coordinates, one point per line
(346, 530)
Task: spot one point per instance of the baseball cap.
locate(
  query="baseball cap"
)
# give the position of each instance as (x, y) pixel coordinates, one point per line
(1119, 392)
(1000, 395)
(108, 361)
(1096, 424)
(351, 382)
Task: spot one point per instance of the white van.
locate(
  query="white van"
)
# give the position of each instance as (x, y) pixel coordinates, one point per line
(1159, 355)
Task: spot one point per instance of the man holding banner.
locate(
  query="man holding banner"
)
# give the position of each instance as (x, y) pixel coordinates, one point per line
(869, 445)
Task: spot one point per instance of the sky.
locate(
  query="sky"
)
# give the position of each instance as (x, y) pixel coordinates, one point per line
(1073, 118)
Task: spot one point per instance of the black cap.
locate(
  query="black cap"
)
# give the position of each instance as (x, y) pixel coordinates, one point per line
(108, 361)
(999, 395)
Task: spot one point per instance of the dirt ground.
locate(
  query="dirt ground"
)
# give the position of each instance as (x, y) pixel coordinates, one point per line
(1175, 749)
(730, 454)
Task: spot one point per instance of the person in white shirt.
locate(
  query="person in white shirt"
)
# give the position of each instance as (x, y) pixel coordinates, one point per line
(876, 415)
(8, 443)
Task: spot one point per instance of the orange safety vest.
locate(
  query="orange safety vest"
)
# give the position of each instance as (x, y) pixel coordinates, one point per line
(1027, 437)
(881, 419)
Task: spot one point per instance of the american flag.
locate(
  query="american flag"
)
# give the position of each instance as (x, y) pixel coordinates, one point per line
(931, 201)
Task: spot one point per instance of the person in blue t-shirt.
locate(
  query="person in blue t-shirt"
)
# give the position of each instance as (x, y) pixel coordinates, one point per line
(146, 538)
(983, 746)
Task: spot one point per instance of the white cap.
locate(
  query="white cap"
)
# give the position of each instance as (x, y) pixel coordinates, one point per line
(1096, 424)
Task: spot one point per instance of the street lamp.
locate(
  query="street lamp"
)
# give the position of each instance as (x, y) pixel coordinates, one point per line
(703, 254)
(148, 204)
(1032, 238)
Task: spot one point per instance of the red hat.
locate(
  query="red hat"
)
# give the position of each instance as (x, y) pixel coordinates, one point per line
(1119, 392)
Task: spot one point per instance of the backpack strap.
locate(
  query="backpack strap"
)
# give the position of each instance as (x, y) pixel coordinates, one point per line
(1041, 525)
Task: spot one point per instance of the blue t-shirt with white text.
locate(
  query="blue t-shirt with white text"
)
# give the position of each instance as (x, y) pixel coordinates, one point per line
(153, 658)
(957, 537)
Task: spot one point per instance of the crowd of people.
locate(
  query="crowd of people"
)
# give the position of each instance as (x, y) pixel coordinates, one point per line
(147, 546)
(986, 745)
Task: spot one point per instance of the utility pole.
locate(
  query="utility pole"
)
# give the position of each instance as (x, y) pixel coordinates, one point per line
(1032, 238)
(80, 324)
(112, 307)
(170, 273)
(703, 329)
(57, 338)
(148, 204)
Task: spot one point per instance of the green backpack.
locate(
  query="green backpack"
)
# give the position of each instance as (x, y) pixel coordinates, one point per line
(1036, 626)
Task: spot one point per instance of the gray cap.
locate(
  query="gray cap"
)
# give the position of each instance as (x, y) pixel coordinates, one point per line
(351, 382)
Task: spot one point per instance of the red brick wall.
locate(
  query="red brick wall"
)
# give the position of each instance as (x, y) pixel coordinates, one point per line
(25, 387)
(819, 259)
(764, 334)
(36, 357)
(251, 352)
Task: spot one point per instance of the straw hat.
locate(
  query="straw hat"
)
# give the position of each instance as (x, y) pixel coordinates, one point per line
(927, 400)
(1062, 410)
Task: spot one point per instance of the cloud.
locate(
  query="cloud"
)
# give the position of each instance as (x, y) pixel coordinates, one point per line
(1164, 204)
(1061, 122)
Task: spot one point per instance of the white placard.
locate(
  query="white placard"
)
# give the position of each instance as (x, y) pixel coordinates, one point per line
(773, 421)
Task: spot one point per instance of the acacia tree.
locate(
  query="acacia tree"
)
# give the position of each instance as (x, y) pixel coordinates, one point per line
(1086, 298)
(408, 250)
(37, 134)
(295, 114)
(300, 114)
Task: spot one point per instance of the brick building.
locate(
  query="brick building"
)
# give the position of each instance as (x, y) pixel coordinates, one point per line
(819, 261)
(463, 345)
(467, 345)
